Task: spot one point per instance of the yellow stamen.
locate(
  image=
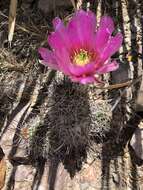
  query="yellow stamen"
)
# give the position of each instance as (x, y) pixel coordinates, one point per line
(82, 57)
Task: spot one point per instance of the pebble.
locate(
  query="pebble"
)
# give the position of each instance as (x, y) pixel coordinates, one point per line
(137, 142)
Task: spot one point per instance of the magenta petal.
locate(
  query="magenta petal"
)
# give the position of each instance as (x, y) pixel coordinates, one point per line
(48, 58)
(55, 42)
(107, 23)
(81, 28)
(82, 70)
(59, 39)
(104, 32)
(88, 80)
(108, 67)
(113, 45)
(57, 23)
(63, 61)
(83, 80)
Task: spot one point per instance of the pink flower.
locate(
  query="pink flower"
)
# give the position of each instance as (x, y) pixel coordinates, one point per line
(81, 50)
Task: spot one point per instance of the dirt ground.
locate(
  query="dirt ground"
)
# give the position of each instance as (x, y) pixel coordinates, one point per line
(58, 135)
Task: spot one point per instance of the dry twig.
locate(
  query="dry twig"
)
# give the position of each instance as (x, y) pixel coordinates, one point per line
(12, 18)
(73, 3)
(79, 4)
(115, 86)
(135, 81)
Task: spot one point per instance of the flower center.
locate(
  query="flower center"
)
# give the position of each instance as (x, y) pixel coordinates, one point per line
(82, 57)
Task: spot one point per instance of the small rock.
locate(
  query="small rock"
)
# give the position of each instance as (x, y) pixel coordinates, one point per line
(137, 142)
(116, 178)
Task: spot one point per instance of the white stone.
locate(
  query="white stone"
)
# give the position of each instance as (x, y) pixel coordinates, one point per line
(137, 142)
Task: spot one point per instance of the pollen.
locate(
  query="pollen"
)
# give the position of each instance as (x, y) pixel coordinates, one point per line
(82, 57)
